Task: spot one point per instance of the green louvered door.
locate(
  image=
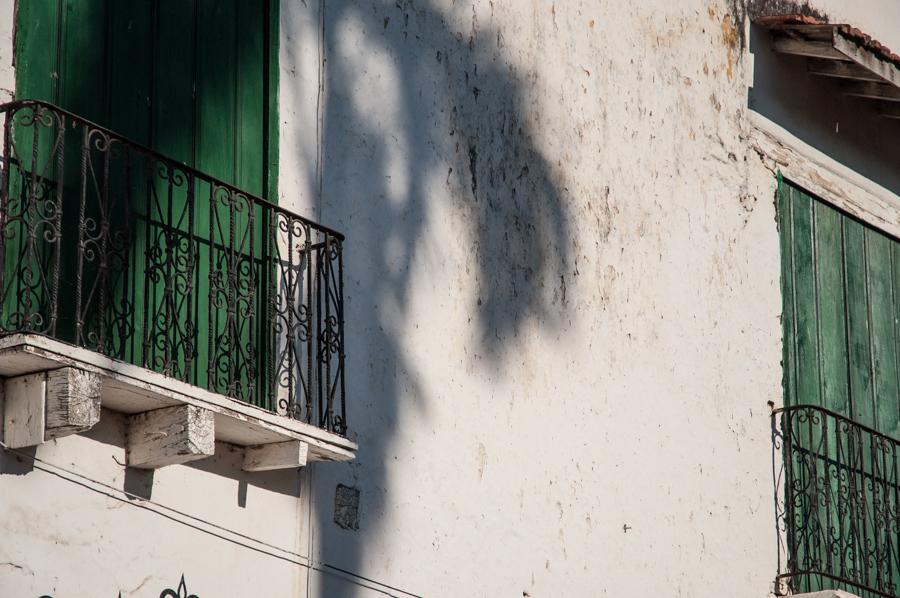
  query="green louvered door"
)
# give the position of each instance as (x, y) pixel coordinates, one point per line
(196, 81)
(841, 290)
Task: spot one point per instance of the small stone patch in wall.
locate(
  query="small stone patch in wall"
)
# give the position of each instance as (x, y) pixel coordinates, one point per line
(346, 507)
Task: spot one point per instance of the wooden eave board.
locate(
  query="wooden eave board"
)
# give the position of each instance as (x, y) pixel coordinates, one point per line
(832, 54)
(131, 389)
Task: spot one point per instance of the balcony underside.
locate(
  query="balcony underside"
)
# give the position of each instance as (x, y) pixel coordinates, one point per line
(133, 390)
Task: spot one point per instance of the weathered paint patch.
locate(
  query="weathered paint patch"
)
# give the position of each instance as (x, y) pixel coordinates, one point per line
(731, 37)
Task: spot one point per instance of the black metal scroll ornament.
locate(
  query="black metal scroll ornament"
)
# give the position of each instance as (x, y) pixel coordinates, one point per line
(180, 592)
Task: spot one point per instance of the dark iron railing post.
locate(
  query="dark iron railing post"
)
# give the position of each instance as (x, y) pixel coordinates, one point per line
(342, 424)
(231, 292)
(82, 203)
(269, 269)
(190, 341)
(212, 284)
(788, 445)
(326, 335)
(102, 283)
(60, 142)
(307, 260)
(147, 346)
(320, 327)
(5, 176)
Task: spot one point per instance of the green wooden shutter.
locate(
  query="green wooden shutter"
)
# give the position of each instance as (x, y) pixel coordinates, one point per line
(840, 284)
(197, 81)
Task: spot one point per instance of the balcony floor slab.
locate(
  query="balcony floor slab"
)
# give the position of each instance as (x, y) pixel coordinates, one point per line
(132, 389)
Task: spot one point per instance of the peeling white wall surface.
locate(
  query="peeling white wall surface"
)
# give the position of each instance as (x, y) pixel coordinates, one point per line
(562, 317)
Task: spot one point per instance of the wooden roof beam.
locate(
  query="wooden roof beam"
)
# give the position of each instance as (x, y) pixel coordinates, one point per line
(889, 110)
(873, 91)
(866, 59)
(841, 70)
(813, 49)
(821, 33)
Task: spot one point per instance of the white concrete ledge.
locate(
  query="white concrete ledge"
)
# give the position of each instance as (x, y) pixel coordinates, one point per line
(131, 389)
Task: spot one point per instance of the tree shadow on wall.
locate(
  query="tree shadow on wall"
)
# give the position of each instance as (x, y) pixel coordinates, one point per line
(415, 112)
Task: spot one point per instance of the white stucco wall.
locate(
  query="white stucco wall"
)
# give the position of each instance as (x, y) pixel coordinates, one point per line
(563, 298)
(7, 72)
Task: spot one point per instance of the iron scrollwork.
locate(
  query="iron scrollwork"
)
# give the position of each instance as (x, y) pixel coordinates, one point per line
(838, 503)
(109, 245)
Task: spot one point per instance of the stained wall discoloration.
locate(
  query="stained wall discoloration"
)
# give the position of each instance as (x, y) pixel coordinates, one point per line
(764, 8)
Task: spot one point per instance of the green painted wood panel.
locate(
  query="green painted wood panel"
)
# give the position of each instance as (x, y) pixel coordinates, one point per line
(840, 305)
(195, 80)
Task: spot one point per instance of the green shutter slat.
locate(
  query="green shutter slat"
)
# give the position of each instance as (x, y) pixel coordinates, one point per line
(881, 308)
(807, 333)
(272, 77)
(83, 76)
(831, 309)
(37, 49)
(788, 317)
(216, 105)
(130, 85)
(174, 110)
(895, 285)
(858, 344)
(249, 82)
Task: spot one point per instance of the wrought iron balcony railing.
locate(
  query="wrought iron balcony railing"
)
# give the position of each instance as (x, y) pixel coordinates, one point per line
(838, 503)
(111, 246)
